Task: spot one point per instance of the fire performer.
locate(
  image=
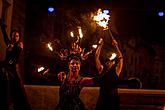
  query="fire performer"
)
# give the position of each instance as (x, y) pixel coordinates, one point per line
(72, 83)
(12, 88)
(108, 95)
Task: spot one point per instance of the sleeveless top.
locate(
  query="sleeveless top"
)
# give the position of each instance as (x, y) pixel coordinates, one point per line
(109, 81)
(69, 95)
(108, 95)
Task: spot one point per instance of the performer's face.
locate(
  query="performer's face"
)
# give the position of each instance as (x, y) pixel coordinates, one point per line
(74, 65)
(15, 36)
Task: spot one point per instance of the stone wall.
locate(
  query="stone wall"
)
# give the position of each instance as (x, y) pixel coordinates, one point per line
(46, 98)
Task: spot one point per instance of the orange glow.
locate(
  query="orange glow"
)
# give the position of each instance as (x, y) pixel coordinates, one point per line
(102, 19)
(71, 34)
(113, 56)
(80, 32)
(49, 46)
(94, 46)
(40, 69)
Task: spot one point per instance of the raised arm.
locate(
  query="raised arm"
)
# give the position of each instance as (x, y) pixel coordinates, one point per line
(3, 28)
(99, 66)
(87, 81)
(120, 58)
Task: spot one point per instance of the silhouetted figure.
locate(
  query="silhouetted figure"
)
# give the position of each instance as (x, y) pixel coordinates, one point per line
(12, 89)
(108, 95)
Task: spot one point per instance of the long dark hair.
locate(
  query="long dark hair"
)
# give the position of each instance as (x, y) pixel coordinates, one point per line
(74, 56)
(14, 31)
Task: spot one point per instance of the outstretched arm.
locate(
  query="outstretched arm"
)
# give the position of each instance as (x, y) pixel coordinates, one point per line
(99, 66)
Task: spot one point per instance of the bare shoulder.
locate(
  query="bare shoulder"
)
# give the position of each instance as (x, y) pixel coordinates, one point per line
(20, 44)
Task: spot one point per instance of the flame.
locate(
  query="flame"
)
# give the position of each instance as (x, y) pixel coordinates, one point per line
(80, 32)
(71, 34)
(113, 56)
(102, 18)
(49, 46)
(94, 46)
(40, 69)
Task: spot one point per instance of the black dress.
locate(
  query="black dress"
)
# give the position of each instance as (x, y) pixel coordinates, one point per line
(108, 95)
(12, 89)
(69, 95)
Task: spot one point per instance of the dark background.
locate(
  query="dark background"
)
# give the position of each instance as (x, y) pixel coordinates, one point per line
(138, 17)
(135, 24)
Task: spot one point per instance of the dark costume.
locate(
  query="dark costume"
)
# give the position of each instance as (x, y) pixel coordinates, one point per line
(69, 95)
(108, 97)
(12, 89)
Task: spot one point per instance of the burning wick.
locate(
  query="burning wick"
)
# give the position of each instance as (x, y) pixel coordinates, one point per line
(102, 18)
(80, 32)
(113, 56)
(80, 36)
(71, 34)
(94, 46)
(49, 46)
(40, 69)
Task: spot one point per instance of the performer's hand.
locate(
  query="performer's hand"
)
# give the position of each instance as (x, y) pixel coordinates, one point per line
(20, 45)
(10, 47)
(61, 55)
(101, 42)
(61, 76)
(114, 42)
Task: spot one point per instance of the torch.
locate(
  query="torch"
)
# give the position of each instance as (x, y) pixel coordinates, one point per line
(102, 19)
(80, 36)
(50, 47)
(42, 70)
